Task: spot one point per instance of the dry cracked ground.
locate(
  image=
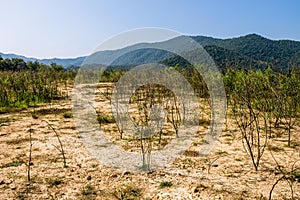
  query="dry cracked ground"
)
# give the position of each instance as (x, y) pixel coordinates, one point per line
(227, 173)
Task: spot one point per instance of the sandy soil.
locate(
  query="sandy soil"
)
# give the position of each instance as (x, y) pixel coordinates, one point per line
(227, 173)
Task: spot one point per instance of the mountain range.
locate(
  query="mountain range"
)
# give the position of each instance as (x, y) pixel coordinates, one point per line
(249, 51)
(65, 62)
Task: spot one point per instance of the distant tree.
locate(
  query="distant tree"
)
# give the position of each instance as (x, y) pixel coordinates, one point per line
(33, 65)
(18, 64)
(56, 67)
(289, 96)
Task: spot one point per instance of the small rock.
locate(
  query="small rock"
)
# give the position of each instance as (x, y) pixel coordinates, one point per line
(13, 187)
(162, 174)
(126, 173)
(150, 172)
(114, 176)
(196, 190)
(89, 178)
(214, 165)
(2, 182)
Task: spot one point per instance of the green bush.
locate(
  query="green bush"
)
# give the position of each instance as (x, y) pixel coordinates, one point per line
(67, 115)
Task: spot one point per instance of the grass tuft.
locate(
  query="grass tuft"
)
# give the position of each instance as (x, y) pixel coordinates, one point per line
(89, 190)
(127, 192)
(165, 184)
(15, 163)
(68, 115)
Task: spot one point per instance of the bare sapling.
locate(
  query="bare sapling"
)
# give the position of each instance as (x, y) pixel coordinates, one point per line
(60, 148)
(30, 155)
(290, 176)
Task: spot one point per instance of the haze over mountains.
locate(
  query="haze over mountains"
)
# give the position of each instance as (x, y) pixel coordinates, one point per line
(250, 51)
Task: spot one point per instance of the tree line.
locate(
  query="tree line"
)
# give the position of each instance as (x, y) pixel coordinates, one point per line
(24, 84)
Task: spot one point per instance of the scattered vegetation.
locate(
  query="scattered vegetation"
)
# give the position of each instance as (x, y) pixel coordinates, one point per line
(4, 120)
(105, 119)
(15, 163)
(128, 192)
(67, 115)
(24, 85)
(89, 190)
(165, 184)
(260, 101)
(54, 181)
(265, 105)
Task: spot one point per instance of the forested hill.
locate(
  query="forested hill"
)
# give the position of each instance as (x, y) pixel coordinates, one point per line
(247, 52)
(250, 52)
(257, 50)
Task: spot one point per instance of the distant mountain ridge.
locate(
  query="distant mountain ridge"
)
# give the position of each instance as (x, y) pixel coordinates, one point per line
(278, 54)
(249, 51)
(65, 62)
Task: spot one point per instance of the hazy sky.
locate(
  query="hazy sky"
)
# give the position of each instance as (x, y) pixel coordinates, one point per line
(71, 28)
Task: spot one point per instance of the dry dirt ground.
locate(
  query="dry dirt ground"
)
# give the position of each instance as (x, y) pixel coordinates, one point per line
(227, 173)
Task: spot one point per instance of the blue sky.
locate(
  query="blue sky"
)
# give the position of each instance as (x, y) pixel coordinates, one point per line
(66, 28)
